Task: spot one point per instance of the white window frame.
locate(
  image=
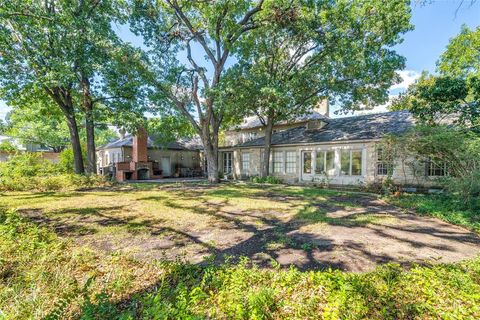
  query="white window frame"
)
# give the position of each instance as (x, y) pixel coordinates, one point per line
(290, 166)
(324, 154)
(351, 151)
(245, 161)
(227, 162)
(430, 168)
(278, 163)
(382, 165)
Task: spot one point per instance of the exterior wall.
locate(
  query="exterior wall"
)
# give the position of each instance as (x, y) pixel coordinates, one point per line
(178, 159)
(402, 174)
(109, 156)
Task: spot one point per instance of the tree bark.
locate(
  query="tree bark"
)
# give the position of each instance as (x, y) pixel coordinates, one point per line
(63, 99)
(267, 146)
(75, 142)
(91, 152)
(211, 154)
(89, 127)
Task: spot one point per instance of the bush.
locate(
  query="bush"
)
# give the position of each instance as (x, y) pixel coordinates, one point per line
(26, 164)
(29, 171)
(458, 149)
(267, 179)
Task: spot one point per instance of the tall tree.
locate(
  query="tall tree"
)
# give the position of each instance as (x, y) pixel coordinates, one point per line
(308, 51)
(462, 57)
(39, 123)
(454, 94)
(36, 60)
(64, 50)
(174, 28)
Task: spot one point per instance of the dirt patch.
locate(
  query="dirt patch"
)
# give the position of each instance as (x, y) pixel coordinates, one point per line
(353, 232)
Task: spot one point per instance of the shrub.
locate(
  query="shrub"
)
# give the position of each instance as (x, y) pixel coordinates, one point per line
(29, 171)
(26, 164)
(267, 179)
(456, 148)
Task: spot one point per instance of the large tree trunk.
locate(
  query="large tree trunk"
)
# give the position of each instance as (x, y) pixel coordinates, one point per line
(89, 127)
(91, 152)
(267, 147)
(75, 142)
(211, 154)
(64, 100)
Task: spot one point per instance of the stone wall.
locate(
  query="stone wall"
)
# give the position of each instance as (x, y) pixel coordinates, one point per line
(402, 174)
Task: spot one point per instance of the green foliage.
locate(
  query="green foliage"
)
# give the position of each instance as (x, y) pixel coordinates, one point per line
(7, 146)
(243, 292)
(30, 171)
(38, 121)
(436, 99)
(288, 65)
(26, 164)
(457, 148)
(267, 179)
(462, 57)
(65, 160)
(169, 128)
(447, 208)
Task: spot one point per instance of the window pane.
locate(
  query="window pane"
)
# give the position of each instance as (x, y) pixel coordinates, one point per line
(345, 163)
(320, 163)
(291, 162)
(307, 162)
(246, 161)
(356, 163)
(330, 160)
(278, 162)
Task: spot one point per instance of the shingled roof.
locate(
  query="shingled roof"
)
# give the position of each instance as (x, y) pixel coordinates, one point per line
(364, 127)
(181, 144)
(254, 122)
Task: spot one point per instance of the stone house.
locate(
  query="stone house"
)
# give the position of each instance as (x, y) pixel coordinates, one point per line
(323, 150)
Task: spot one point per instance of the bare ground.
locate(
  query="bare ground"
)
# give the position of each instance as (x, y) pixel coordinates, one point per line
(353, 232)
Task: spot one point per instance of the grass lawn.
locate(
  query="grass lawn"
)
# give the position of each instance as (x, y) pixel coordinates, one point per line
(175, 251)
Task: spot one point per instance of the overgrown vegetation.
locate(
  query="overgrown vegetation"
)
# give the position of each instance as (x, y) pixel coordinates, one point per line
(29, 171)
(447, 208)
(267, 179)
(42, 275)
(454, 151)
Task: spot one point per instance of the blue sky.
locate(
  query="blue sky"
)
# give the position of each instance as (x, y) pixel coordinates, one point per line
(434, 23)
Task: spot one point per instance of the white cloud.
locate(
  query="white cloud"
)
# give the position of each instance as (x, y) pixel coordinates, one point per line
(408, 77)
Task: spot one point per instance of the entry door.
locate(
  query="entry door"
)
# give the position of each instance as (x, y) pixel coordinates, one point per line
(166, 166)
(307, 165)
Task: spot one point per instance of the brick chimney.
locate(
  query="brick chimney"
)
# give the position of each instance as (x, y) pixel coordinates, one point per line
(139, 152)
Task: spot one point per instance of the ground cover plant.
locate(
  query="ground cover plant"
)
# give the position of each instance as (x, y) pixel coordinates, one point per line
(201, 251)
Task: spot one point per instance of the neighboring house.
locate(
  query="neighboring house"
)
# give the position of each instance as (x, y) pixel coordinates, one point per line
(46, 152)
(140, 158)
(336, 151)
